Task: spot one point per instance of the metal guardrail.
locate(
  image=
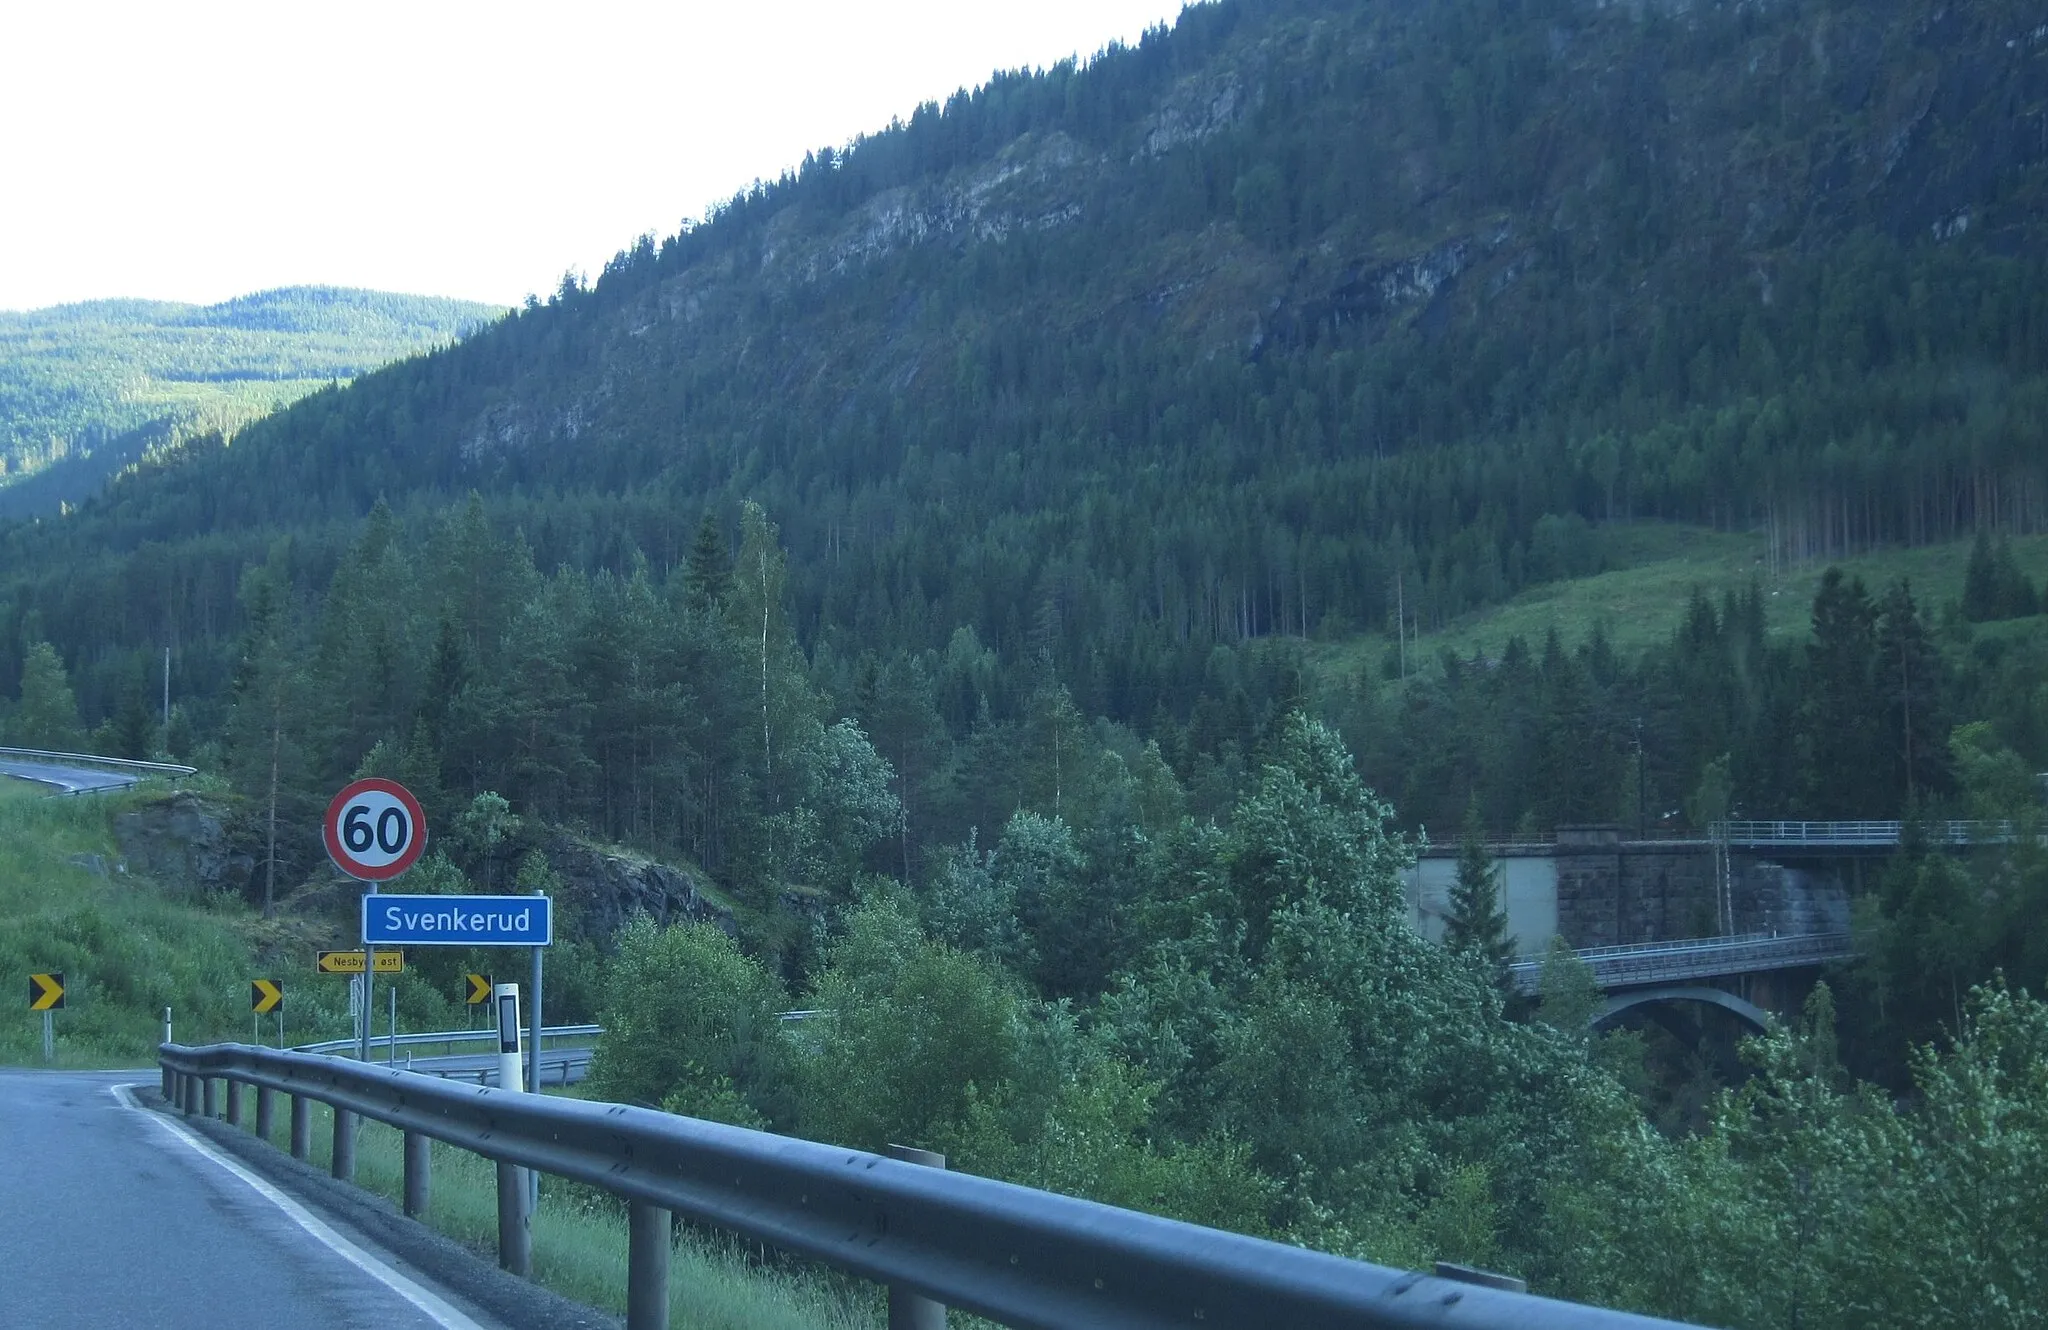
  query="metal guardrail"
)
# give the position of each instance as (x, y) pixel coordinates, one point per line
(1017, 1256)
(558, 1066)
(332, 1046)
(1633, 966)
(172, 769)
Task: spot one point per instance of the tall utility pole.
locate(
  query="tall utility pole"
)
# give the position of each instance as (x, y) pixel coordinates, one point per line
(167, 701)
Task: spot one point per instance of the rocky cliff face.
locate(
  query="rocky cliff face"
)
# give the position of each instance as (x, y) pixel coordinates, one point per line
(603, 890)
(1635, 154)
(190, 843)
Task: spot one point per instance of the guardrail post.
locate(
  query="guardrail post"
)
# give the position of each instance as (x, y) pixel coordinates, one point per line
(909, 1310)
(647, 1248)
(302, 1126)
(170, 1086)
(515, 1232)
(266, 1112)
(233, 1090)
(419, 1175)
(189, 1099)
(344, 1163)
(209, 1097)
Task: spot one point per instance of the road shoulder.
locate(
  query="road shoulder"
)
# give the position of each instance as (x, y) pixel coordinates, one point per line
(449, 1268)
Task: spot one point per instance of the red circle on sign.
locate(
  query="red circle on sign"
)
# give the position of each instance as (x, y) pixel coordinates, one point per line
(374, 829)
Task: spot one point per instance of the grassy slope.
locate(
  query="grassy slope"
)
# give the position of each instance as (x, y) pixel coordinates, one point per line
(1641, 602)
(129, 947)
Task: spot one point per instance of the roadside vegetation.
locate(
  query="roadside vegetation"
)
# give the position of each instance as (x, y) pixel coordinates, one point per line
(579, 1241)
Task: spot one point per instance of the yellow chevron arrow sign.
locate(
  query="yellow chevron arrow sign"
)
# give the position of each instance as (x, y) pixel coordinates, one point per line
(479, 988)
(265, 994)
(46, 991)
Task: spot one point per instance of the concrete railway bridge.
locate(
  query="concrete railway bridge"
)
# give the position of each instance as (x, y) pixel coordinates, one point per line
(1743, 918)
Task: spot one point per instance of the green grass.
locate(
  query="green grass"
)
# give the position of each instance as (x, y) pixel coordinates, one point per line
(13, 788)
(1640, 603)
(579, 1240)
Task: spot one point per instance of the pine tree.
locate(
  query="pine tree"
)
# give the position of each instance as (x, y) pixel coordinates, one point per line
(1477, 926)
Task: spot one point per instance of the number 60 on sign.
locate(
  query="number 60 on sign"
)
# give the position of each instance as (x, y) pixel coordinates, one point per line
(374, 830)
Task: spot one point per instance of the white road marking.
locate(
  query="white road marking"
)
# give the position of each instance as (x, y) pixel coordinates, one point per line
(434, 1307)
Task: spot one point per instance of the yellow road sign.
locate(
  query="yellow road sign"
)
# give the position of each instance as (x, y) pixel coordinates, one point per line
(351, 962)
(479, 988)
(46, 991)
(265, 994)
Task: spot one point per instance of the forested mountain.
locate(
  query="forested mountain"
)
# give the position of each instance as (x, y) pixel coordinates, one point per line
(1227, 334)
(1116, 379)
(86, 389)
(941, 549)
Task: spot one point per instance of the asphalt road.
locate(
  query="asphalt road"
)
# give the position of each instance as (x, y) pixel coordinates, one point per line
(118, 1216)
(70, 780)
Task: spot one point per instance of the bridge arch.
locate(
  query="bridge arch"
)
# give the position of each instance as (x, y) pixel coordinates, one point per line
(1756, 1017)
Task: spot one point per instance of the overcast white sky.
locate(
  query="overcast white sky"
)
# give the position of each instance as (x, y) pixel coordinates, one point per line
(198, 149)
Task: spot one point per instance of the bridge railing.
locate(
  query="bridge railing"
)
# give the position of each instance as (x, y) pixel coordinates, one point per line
(1012, 1254)
(1697, 958)
(1857, 834)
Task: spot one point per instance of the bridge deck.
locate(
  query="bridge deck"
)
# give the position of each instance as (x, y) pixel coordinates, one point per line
(1649, 963)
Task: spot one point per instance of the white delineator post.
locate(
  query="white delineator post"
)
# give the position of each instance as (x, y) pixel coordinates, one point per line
(515, 1234)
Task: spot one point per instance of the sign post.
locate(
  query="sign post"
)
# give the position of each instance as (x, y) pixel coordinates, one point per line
(474, 921)
(374, 831)
(265, 995)
(46, 994)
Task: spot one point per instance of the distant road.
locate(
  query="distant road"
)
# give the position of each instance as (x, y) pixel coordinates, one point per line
(69, 780)
(115, 1216)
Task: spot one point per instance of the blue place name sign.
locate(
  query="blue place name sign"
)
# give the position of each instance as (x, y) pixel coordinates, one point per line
(458, 921)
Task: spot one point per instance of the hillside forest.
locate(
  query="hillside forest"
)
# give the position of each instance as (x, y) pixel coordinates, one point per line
(947, 553)
(88, 389)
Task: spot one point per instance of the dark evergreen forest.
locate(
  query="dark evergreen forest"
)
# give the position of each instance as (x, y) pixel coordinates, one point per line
(931, 545)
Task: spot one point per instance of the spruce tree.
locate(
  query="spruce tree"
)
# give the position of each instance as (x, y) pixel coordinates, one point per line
(707, 575)
(1916, 720)
(1842, 754)
(1980, 582)
(1477, 926)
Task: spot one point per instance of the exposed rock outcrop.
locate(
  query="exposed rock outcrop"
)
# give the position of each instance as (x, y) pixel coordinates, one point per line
(603, 889)
(186, 842)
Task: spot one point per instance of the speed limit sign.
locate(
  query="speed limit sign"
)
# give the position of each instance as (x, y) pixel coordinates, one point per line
(375, 830)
